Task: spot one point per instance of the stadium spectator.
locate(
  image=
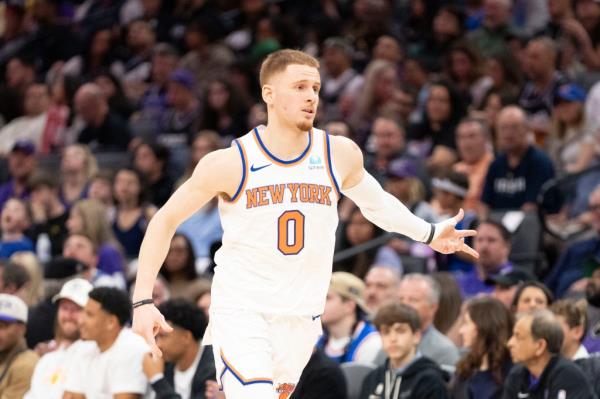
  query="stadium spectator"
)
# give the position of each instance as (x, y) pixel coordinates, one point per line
(381, 286)
(17, 362)
(77, 167)
(532, 295)
(19, 74)
(515, 177)
(422, 292)
(492, 36)
(493, 244)
(406, 372)
(113, 366)
(103, 130)
(473, 143)
(189, 364)
(348, 335)
(572, 316)
(152, 161)
(49, 375)
(21, 164)
(322, 378)
(15, 218)
(541, 371)
(179, 268)
(223, 110)
(485, 330)
(505, 285)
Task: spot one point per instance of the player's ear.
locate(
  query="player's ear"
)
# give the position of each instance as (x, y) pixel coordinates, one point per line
(267, 94)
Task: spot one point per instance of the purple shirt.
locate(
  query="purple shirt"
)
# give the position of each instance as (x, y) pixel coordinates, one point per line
(471, 284)
(7, 191)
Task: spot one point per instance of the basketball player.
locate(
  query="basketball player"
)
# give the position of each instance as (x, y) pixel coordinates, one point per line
(278, 187)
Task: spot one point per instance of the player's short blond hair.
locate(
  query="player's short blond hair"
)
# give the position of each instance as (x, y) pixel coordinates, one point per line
(277, 61)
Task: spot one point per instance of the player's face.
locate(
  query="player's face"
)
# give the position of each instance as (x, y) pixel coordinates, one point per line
(295, 95)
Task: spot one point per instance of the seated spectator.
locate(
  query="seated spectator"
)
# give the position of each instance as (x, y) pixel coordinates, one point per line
(21, 164)
(50, 372)
(485, 330)
(572, 316)
(17, 362)
(496, 28)
(422, 292)
(541, 371)
(113, 366)
(433, 138)
(48, 213)
(381, 286)
(179, 268)
(571, 143)
(104, 130)
(532, 295)
(449, 191)
(54, 136)
(204, 142)
(131, 212)
(15, 218)
(464, 68)
(80, 247)
(505, 285)
(100, 188)
(33, 291)
(592, 296)
(322, 378)
(539, 92)
(406, 372)
(450, 305)
(515, 177)
(578, 260)
(14, 279)
(348, 335)
(77, 167)
(18, 75)
(31, 125)
(223, 111)
(189, 364)
(89, 217)
(473, 143)
(492, 242)
(112, 89)
(152, 161)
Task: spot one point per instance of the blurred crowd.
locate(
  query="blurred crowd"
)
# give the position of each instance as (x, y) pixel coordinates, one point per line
(490, 106)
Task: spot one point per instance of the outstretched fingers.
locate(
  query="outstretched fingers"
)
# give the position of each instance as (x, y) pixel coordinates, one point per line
(466, 233)
(467, 249)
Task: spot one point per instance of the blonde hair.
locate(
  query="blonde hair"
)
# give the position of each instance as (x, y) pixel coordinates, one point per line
(367, 105)
(90, 164)
(277, 61)
(95, 222)
(34, 290)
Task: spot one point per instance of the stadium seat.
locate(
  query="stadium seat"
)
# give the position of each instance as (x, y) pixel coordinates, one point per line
(355, 373)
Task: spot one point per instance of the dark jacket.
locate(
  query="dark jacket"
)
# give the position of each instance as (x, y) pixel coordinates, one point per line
(204, 372)
(423, 379)
(322, 378)
(559, 375)
(591, 369)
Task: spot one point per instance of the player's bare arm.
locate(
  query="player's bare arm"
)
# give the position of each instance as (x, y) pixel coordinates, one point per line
(385, 210)
(218, 173)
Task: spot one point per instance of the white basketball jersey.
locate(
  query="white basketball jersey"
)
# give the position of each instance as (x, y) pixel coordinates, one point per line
(279, 230)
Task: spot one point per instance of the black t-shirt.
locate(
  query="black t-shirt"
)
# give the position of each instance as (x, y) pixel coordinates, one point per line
(508, 188)
(112, 135)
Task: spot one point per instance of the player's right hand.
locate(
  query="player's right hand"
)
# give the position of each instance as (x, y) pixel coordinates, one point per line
(147, 322)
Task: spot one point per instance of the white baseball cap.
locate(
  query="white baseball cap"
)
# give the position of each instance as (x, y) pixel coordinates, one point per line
(12, 308)
(75, 290)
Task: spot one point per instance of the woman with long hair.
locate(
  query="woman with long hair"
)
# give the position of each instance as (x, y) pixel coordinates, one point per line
(486, 328)
(223, 112)
(89, 217)
(464, 68)
(179, 267)
(132, 212)
(77, 167)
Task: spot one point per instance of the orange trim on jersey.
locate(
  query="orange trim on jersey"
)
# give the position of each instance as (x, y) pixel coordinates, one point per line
(245, 174)
(274, 159)
(328, 164)
(238, 375)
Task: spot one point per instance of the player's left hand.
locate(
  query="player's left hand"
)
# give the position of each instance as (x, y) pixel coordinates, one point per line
(451, 240)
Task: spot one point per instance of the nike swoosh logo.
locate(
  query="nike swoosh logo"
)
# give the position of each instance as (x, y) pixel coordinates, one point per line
(253, 169)
(316, 317)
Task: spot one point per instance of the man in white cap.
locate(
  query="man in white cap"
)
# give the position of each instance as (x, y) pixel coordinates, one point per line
(50, 373)
(16, 361)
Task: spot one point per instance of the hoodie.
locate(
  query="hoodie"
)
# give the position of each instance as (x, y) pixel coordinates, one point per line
(421, 379)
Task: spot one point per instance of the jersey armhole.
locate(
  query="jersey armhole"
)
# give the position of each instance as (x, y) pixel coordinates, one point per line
(243, 157)
(329, 166)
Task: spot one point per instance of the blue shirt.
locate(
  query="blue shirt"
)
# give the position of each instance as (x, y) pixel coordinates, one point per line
(471, 284)
(510, 188)
(7, 248)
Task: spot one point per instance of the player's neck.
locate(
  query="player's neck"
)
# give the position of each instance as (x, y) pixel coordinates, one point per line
(284, 141)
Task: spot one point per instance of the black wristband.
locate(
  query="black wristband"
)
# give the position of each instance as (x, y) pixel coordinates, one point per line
(143, 302)
(431, 234)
